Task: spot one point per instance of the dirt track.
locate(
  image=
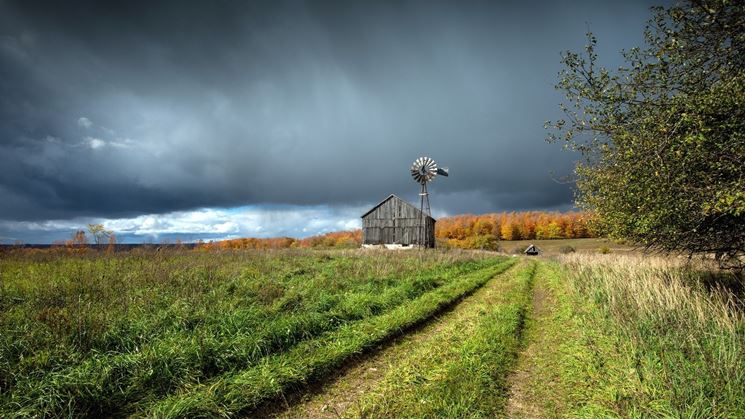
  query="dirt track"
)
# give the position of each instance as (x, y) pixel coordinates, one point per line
(341, 396)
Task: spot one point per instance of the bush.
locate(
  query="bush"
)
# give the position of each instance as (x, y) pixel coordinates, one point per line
(567, 249)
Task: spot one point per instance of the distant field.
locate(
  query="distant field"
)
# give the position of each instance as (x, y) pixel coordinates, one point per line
(553, 247)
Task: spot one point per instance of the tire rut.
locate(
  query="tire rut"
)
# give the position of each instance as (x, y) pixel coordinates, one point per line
(342, 393)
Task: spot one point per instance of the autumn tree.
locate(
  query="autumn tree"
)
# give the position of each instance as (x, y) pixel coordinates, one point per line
(663, 137)
(99, 233)
(111, 247)
(79, 239)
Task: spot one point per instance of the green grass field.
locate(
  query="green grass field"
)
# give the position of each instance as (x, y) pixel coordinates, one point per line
(143, 331)
(298, 333)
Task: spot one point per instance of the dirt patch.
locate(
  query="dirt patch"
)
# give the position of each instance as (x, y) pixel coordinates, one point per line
(541, 303)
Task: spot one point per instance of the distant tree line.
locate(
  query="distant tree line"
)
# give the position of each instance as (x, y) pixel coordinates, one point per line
(337, 239)
(461, 231)
(469, 231)
(102, 239)
(485, 231)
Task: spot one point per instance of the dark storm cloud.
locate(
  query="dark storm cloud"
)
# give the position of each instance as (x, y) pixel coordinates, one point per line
(149, 107)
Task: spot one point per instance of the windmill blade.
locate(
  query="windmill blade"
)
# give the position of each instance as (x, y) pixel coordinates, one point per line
(416, 174)
(424, 169)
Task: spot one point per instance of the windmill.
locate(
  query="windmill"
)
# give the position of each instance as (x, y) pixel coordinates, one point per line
(424, 170)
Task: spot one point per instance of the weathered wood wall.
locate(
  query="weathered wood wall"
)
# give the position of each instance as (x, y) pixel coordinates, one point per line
(395, 221)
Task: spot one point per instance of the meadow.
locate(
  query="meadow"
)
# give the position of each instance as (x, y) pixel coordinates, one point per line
(360, 333)
(140, 331)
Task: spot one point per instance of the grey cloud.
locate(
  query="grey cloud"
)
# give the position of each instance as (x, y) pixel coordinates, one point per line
(141, 107)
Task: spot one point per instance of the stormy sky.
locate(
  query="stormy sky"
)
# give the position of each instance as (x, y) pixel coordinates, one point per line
(222, 119)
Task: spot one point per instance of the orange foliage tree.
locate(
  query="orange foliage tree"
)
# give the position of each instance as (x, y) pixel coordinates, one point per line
(528, 225)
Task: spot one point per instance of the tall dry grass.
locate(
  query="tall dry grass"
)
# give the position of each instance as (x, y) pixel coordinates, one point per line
(686, 324)
(653, 286)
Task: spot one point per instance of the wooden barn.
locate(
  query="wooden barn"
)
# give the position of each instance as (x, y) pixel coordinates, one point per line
(395, 221)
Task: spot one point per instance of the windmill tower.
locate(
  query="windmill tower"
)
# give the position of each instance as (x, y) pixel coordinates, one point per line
(424, 170)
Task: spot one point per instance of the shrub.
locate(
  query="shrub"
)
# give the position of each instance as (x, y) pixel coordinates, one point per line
(567, 249)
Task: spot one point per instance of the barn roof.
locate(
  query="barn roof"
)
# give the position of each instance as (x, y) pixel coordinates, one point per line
(388, 198)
